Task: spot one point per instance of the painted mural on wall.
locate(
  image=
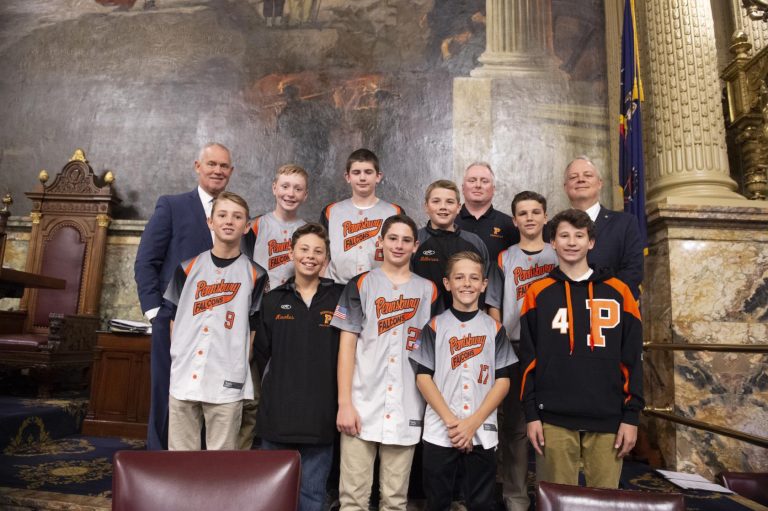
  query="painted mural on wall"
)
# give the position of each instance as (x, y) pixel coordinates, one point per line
(142, 84)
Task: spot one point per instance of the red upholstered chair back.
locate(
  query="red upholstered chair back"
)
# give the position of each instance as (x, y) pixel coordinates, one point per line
(752, 485)
(63, 256)
(215, 480)
(563, 497)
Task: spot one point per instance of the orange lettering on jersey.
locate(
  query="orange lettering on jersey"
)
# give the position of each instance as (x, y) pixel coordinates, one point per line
(370, 227)
(278, 260)
(276, 247)
(402, 308)
(465, 348)
(226, 291)
(533, 272)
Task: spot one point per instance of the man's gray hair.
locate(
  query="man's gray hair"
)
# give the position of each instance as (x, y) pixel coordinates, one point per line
(213, 144)
(480, 164)
(582, 157)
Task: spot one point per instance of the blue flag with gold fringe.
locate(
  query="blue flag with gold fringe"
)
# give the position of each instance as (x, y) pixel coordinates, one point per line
(631, 165)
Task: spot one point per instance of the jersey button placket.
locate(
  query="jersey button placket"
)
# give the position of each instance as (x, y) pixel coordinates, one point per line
(389, 430)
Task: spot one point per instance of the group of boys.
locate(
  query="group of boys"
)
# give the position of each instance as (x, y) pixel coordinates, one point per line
(406, 342)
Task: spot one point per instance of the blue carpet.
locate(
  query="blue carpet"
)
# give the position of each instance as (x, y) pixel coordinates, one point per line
(30, 421)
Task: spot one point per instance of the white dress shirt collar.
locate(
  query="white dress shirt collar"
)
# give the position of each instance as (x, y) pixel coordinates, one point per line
(593, 211)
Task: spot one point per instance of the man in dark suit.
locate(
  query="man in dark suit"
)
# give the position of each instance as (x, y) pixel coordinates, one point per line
(617, 243)
(176, 231)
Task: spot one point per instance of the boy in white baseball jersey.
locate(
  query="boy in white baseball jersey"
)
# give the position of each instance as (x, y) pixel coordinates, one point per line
(268, 243)
(380, 315)
(464, 360)
(216, 295)
(514, 271)
(354, 224)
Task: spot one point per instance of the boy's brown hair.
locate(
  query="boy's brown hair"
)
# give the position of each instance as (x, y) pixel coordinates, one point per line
(467, 255)
(363, 155)
(399, 219)
(528, 195)
(232, 197)
(577, 218)
(312, 228)
(442, 183)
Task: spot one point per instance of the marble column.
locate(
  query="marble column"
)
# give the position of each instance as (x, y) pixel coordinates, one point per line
(684, 130)
(518, 39)
(707, 266)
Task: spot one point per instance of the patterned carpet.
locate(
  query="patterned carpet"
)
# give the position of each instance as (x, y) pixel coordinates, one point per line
(42, 451)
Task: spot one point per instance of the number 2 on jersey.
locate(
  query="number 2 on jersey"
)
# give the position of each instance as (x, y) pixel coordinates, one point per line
(229, 320)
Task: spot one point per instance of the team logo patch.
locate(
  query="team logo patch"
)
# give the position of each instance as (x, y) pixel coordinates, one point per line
(415, 423)
(496, 232)
(224, 291)
(233, 385)
(465, 347)
(286, 306)
(398, 311)
(327, 316)
(428, 252)
(489, 427)
(363, 230)
(283, 317)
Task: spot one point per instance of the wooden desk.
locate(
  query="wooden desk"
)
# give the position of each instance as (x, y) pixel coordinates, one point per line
(119, 404)
(13, 282)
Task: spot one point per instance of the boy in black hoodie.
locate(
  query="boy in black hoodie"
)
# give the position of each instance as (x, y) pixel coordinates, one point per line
(581, 357)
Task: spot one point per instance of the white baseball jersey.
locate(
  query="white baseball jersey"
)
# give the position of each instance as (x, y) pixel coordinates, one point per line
(464, 357)
(388, 320)
(211, 331)
(269, 240)
(353, 232)
(509, 279)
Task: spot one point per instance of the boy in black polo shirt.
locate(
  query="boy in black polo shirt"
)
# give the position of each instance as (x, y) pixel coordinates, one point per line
(296, 352)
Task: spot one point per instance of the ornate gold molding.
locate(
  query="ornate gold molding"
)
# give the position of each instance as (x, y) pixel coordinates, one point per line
(103, 220)
(36, 216)
(79, 156)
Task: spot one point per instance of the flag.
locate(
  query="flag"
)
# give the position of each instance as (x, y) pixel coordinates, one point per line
(631, 166)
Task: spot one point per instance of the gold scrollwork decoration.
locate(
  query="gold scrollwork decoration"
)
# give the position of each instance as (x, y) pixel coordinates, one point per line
(79, 156)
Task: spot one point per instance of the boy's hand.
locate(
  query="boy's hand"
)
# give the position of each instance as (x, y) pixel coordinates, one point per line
(348, 420)
(536, 436)
(461, 433)
(626, 438)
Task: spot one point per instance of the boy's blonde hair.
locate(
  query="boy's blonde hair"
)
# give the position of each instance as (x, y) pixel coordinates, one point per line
(291, 169)
(466, 255)
(442, 183)
(233, 197)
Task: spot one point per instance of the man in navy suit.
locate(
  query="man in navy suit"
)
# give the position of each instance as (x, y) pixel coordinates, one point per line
(617, 237)
(176, 231)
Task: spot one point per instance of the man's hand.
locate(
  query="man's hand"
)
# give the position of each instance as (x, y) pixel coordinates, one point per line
(348, 420)
(536, 436)
(626, 438)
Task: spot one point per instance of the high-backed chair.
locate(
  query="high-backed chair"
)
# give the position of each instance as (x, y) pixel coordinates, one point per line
(53, 333)
(563, 497)
(218, 480)
(752, 485)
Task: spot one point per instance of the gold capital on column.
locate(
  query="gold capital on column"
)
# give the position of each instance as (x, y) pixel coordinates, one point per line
(684, 128)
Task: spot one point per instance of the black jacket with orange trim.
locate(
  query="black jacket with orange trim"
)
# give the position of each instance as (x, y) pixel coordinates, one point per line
(581, 353)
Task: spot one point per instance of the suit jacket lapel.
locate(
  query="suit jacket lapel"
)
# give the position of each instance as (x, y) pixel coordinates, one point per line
(603, 219)
(199, 220)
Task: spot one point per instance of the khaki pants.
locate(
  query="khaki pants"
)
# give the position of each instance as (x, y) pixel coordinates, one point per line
(185, 419)
(250, 409)
(563, 448)
(356, 467)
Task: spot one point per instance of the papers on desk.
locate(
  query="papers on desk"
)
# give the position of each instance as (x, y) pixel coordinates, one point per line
(129, 327)
(692, 481)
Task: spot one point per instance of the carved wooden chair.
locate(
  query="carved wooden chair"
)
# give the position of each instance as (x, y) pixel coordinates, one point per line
(53, 334)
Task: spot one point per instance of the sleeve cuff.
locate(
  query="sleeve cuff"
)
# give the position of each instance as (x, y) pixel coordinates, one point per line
(151, 313)
(631, 417)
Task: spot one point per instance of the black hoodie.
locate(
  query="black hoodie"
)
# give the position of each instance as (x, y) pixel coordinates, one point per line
(581, 353)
